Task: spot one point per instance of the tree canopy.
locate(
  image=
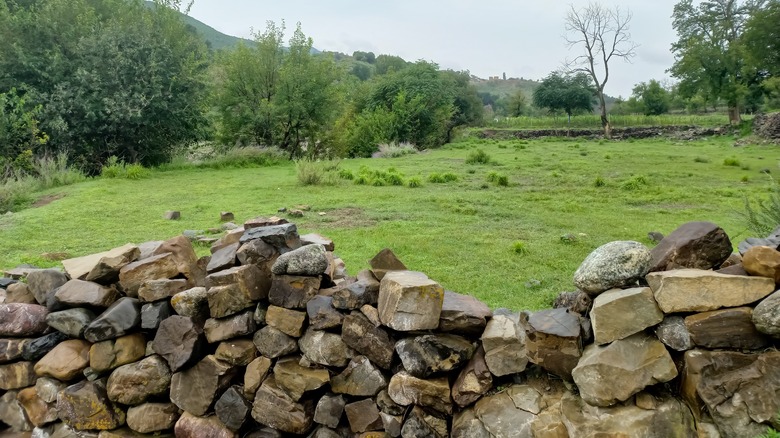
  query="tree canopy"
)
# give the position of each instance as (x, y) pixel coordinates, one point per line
(569, 93)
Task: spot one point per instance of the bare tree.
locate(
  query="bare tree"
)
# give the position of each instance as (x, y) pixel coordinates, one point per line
(603, 34)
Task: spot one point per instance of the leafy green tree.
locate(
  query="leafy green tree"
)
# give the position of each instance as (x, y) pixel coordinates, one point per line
(567, 93)
(517, 104)
(362, 70)
(468, 106)
(652, 97)
(388, 64)
(367, 57)
(761, 39)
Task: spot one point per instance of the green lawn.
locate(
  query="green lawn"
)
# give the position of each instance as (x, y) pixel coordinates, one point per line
(462, 234)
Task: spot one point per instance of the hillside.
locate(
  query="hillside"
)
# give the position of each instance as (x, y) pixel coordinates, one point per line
(215, 39)
(503, 88)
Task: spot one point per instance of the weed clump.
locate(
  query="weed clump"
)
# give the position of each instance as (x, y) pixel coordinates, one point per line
(311, 173)
(701, 160)
(395, 150)
(519, 247)
(498, 179)
(599, 182)
(635, 183)
(414, 182)
(731, 162)
(441, 178)
(116, 168)
(379, 178)
(478, 157)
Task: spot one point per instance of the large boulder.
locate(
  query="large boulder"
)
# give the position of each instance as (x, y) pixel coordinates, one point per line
(695, 245)
(612, 265)
(410, 301)
(620, 313)
(102, 267)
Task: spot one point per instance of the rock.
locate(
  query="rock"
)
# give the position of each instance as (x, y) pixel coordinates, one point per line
(152, 314)
(360, 378)
(192, 303)
(38, 411)
(727, 328)
(766, 315)
(152, 417)
(135, 383)
(103, 267)
(385, 261)
(317, 239)
(19, 293)
(681, 290)
(118, 320)
(238, 352)
(293, 292)
(324, 348)
(674, 334)
(373, 342)
(12, 413)
(430, 354)
(39, 347)
(309, 260)
(212, 375)
(258, 253)
(618, 314)
(410, 301)
(11, 349)
(274, 408)
(78, 293)
(355, 295)
(233, 409)
(322, 315)
(172, 215)
(733, 270)
(329, 410)
(695, 245)
(511, 412)
(185, 258)
(272, 343)
(113, 353)
(227, 300)
(190, 426)
(463, 314)
(363, 416)
(180, 341)
(762, 261)
(148, 248)
(611, 266)
(259, 221)
(85, 406)
(17, 375)
(295, 213)
(465, 424)
(421, 423)
(229, 238)
(554, 340)
(22, 320)
(255, 373)
(133, 275)
(223, 258)
(238, 325)
(72, 322)
(504, 342)
(608, 374)
(156, 290)
(387, 405)
(474, 380)
(289, 322)
(283, 238)
(251, 281)
(44, 281)
(66, 361)
(296, 380)
(406, 390)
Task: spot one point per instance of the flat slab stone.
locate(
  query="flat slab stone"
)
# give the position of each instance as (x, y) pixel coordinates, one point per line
(385, 261)
(410, 301)
(620, 313)
(156, 290)
(463, 314)
(17, 375)
(79, 293)
(324, 348)
(157, 267)
(726, 328)
(283, 237)
(103, 266)
(222, 329)
(250, 280)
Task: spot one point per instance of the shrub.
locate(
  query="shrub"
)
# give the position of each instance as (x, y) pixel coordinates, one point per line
(599, 182)
(498, 179)
(449, 176)
(394, 179)
(395, 150)
(436, 178)
(744, 179)
(361, 180)
(414, 183)
(312, 173)
(478, 157)
(346, 174)
(635, 183)
(115, 168)
(731, 162)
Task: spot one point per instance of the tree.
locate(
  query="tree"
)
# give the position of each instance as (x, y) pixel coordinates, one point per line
(652, 97)
(367, 57)
(567, 93)
(387, 64)
(603, 35)
(761, 42)
(516, 104)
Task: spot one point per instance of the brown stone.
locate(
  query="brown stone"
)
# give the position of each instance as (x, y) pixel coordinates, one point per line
(694, 245)
(289, 322)
(102, 267)
(354, 295)
(410, 301)
(135, 383)
(66, 361)
(38, 411)
(227, 300)
(474, 380)
(255, 373)
(22, 320)
(18, 293)
(373, 342)
(133, 275)
(273, 407)
(726, 328)
(12, 413)
(385, 261)
(184, 257)
(504, 342)
(620, 313)
(259, 222)
(554, 340)
(272, 343)
(322, 315)
(360, 378)
(180, 341)
(293, 291)
(283, 237)
(223, 258)
(510, 412)
(425, 423)
(363, 416)
(85, 406)
(252, 283)
(324, 348)
(152, 417)
(406, 390)
(762, 261)
(11, 349)
(79, 293)
(317, 239)
(212, 375)
(463, 314)
(190, 426)
(156, 290)
(241, 324)
(239, 352)
(295, 379)
(111, 354)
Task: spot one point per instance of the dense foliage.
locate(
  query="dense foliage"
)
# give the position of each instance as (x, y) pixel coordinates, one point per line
(567, 93)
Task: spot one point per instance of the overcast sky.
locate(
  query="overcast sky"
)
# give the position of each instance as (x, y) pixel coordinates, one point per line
(522, 38)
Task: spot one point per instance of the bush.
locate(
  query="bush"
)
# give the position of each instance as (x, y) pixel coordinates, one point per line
(311, 173)
(498, 179)
(731, 162)
(115, 168)
(346, 174)
(478, 157)
(414, 183)
(395, 150)
(635, 183)
(436, 178)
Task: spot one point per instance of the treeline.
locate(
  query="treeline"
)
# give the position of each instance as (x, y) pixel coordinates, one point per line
(116, 78)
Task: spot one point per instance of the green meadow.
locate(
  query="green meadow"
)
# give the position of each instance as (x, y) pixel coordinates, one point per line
(510, 230)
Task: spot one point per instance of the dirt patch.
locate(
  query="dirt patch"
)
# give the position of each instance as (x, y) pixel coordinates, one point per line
(46, 200)
(347, 217)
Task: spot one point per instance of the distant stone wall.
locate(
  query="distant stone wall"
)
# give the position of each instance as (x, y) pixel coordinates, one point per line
(767, 125)
(269, 337)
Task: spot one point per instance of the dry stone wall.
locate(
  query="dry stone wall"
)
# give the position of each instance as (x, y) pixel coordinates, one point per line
(269, 337)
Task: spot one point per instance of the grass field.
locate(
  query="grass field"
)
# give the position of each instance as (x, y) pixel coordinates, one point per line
(512, 246)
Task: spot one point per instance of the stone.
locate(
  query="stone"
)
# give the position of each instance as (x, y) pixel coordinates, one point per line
(410, 301)
(133, 275)
(387, 405)
(255, 373)
(613, 373)
(172, 215)
(318, 239)
(11, 349)
(152, 417)
(463, 314)
(113, 353)
(293, 292)
(226, 216)
(762, 261)
(670, 419)
(577, 302)
(554, 340)
(324, 348)
(103, 267)
(465, 424)
(152, 314)
(694, 245)
(289, 322)
(385, 261)
(329, 410)
(365, 338)
(156, 290)
(504, 342)
(190, 426)
(227, 300)
(620, 313)
(39, 413)
(223, 258)
(17, 375)
(85, 406)
(22, 320)
(118, 320)
(184, 257)
(213, 376)
(19, 293)
(296, 380)
(322, 315)
(231, 237)
(421, 423)
(273, 407)
(42, 282)
(135, 383)
(12, 413)
(692, 290)
(282, 237)
(39, 347)
(258, 253)
(192, 303)
(766, 315)
(674, 334)
(241, 324)
(180, 341)
(372, 314)
(612, 265)
(148, 248)
(309, 260)
(425, 355)
(474, 380)
(233, 409)
(238, 352)
(66, 361)
(363, 416)
(726, 328)
(79, 293)
(272, 343)
(355, 295)
(259, 222)
(72, 322)
(252, 283)
(406, 390)
(511, 412)
(360, 378)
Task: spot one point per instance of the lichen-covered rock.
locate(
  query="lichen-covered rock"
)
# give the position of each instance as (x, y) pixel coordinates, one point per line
(72, 322)
(612, 265)
(85, 406)
(766, 316)
(360, 378)
(296, 380)
(324, 348)
(674, 334)
(406, 390)
(307, 260)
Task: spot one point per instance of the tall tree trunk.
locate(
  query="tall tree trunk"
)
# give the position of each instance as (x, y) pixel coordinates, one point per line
(735, 118)
(604, 119)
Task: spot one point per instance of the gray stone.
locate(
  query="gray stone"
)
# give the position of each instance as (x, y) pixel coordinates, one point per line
(465, 424)
(425, 355)
(577, 302)
(694, 245)
(39, 347)
(309, 260)
(238, 352)
(612, 265)
(406, 390)
(474, 380)
(357, 294)
(135, 383)
(293, 292)
(223, 258)
(554, 340)
(360, 378)
(318, 239)
(233, 409)
(421, 423)
(85, 406)
(78, 293)
(43, 282)
(620, 313)
(273, 407)
(463, 314)
(324, 348)
(152, 417)
(510, 412)
(391, 424)
(329, 410)
(766, 316)
(504, 342)
(235, 326)
(22, 320)
(180, 341)
(322, 315)
(258, 253)
(674, 334)
(365, 338)
(122, 317)
(410, 301)
(283, 238)
(152, 314)
(72, 322)
(212, 375)
(272, 343)
(726, 328)
(164, 289)
(12, 413)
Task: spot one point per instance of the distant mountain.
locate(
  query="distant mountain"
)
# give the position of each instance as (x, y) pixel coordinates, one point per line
(215, 39)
